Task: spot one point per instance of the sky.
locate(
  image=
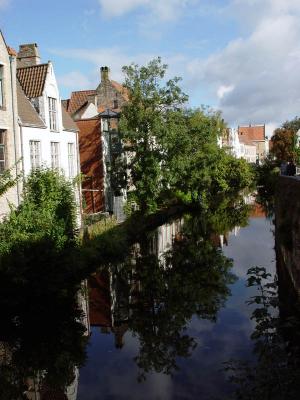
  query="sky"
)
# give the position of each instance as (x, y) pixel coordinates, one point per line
(239, 56)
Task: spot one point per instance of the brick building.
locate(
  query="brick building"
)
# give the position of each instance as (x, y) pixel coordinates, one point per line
(254, 135)
(87, 108)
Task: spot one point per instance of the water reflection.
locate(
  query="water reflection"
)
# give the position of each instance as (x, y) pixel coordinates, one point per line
(275, 371)
(42, 338)
(171, 275)
(165, 311)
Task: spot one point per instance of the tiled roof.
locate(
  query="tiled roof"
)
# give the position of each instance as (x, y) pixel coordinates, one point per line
(251, 133)
(32, 79)
(68, 123)
(26, 111)
(78, 99)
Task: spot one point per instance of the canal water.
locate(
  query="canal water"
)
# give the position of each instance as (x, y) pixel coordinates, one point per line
(171, 320)
(165, 322)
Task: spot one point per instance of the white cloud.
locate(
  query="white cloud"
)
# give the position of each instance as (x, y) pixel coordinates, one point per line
(113, 57)
(164, 10)
(261, 69)
(223, 90)
(75, 80)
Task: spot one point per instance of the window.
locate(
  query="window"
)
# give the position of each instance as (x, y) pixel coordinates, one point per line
(71, 159)
(52, 113)
(35, 153)
(116, 104)
(2, 151)
(1, 86)
(54, 155)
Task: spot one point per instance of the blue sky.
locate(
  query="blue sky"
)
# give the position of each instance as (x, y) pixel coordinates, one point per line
(241, 56)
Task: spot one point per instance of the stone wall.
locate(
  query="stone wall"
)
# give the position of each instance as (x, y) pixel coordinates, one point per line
(287, 222)
(109, 97)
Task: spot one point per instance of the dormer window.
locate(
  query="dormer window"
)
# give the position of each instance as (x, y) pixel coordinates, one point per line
(52, 113)
(1, 86)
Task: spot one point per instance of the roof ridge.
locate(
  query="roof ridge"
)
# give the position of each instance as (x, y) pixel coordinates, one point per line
(86, 90)
(33, 66)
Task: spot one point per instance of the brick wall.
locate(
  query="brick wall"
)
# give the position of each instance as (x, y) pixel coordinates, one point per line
(91, 164)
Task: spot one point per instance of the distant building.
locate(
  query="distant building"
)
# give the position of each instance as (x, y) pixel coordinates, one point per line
(239, 149)
(10, 150)
(254, 135)
(96, 114)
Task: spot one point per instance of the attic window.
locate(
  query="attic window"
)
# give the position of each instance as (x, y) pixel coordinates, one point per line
(52, 113)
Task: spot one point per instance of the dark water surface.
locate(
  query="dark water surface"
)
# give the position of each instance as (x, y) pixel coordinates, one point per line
(165, 334)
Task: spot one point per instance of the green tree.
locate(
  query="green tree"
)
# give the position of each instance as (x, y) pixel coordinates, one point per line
(39, 283)
(285, 145)
(174, 150)
(144, 125)
(6, 181)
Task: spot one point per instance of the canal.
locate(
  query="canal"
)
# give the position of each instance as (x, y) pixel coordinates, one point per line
(175, 318)
(164, 324)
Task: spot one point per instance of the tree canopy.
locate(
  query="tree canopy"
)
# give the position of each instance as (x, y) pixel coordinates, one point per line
(284, 141)
(173, 149)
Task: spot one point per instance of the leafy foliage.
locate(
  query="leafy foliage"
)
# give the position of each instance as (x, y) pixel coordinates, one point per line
(174, 149)
(284, 141)
(7, 181)
(143, 125)
(47, 212)
(39, 282)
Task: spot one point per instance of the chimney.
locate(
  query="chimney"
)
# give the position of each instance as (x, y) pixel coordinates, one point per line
(104, 74)
(28, 55)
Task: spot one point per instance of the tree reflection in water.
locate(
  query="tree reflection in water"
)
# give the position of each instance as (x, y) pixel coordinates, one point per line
(41, 337)
(276, 372)
(164, 291)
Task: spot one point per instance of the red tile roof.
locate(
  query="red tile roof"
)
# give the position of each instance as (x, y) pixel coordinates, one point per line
(251, 133)
(78, 99)
(32, 79)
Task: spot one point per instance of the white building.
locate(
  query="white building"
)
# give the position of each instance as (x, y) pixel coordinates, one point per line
(48, 135)
(239, 148)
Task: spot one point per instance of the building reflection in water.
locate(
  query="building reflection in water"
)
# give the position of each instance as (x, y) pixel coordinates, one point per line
(112, 295)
